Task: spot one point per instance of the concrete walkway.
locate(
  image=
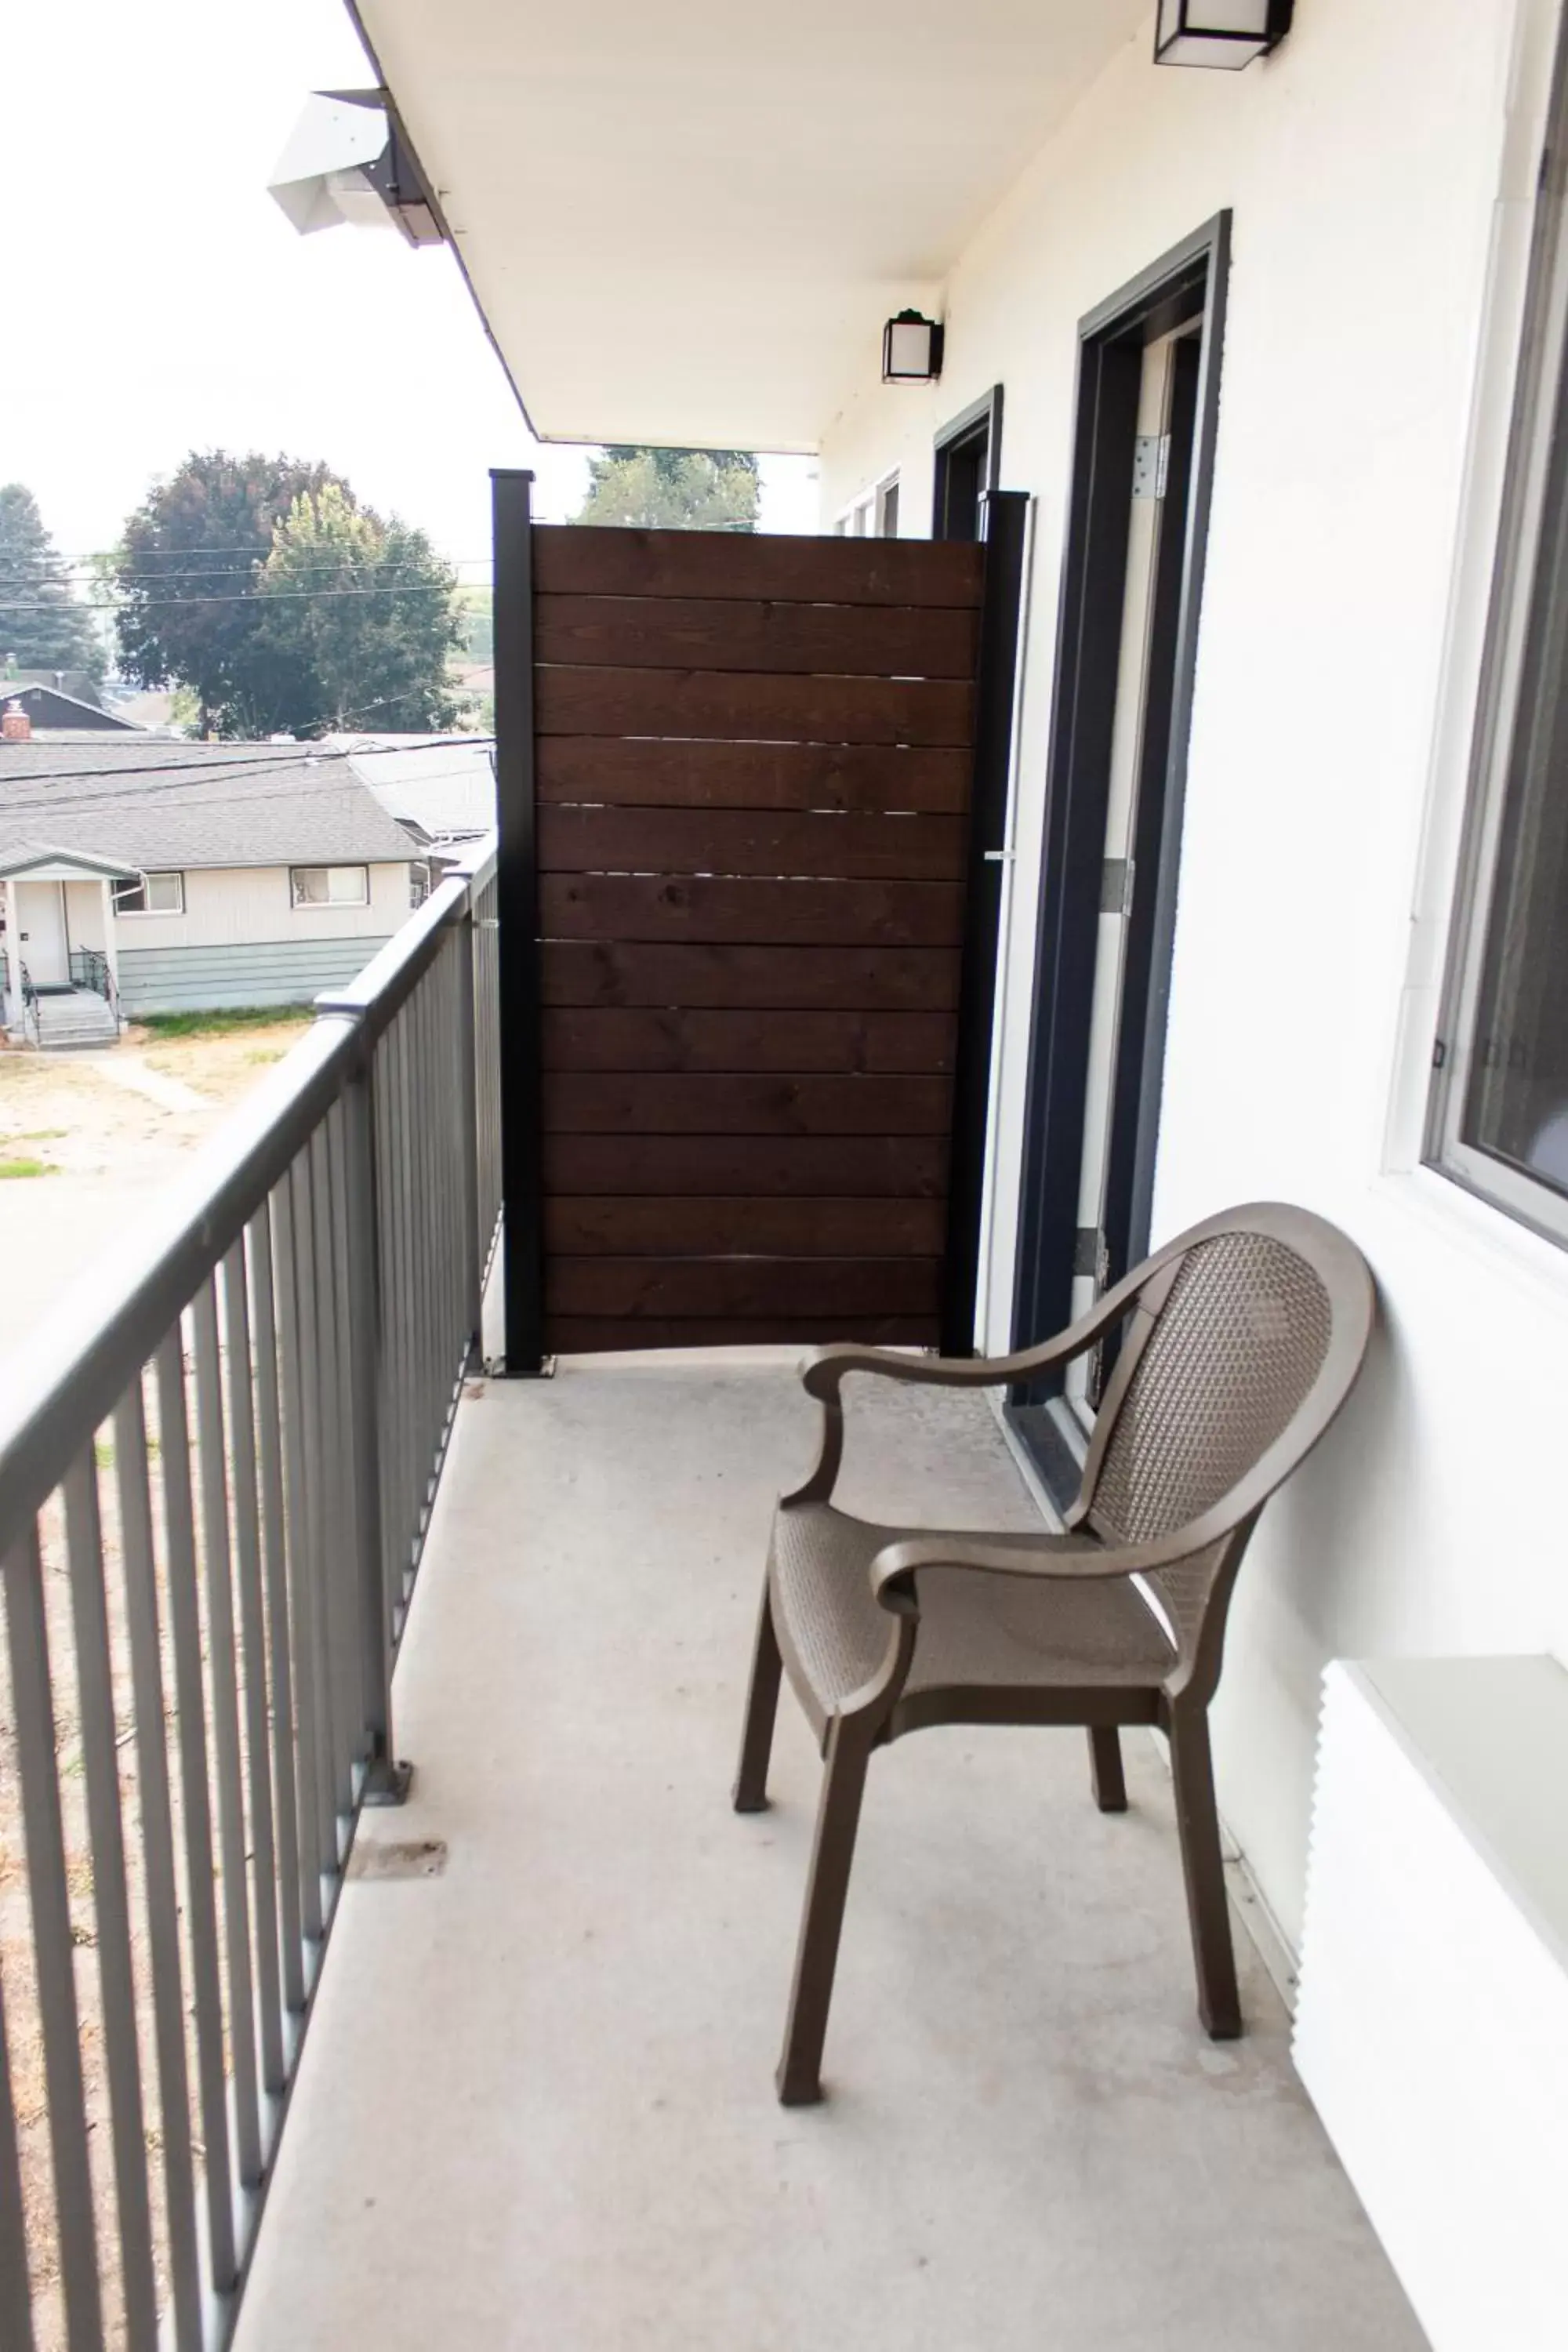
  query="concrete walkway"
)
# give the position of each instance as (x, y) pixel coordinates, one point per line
(536, 2109)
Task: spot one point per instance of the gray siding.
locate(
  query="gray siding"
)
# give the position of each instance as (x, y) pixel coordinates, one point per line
(259, 972)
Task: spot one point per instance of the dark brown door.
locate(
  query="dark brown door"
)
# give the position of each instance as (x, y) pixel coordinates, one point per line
(753, 768)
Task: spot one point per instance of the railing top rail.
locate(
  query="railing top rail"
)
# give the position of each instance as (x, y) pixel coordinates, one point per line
(375, 994)
(57, 1392)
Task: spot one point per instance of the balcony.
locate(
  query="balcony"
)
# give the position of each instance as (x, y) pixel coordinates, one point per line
(536, 2106)
(535, 2099)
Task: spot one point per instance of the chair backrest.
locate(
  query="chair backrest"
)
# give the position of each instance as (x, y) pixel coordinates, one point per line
(1251, 1332)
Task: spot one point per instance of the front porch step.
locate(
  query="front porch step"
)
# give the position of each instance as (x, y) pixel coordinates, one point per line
(79, 1020)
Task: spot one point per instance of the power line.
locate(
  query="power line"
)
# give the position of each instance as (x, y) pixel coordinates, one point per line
(250, 757)
(256, 597)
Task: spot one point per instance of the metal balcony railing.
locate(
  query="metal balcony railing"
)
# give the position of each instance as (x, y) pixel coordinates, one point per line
(213, 1501)
(90, 969)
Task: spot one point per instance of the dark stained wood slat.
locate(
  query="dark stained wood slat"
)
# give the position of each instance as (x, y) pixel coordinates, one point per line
(752, 913)
(743, 706)
(571, 561)
(584, 1335)
(709, 634)
(606, 972)
(739, 841)
(787, 1167)
(743, 1285)
(666, 1038)
(664, 1227)
(630, 1103)
(656, 774)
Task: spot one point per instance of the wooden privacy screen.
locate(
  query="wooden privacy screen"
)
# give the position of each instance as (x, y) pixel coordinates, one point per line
(753, 760)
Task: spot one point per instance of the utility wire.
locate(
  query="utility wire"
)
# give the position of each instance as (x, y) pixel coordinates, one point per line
(261, 598)
(247, 756)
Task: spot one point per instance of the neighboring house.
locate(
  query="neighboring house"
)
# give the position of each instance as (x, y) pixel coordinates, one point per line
(1285, 892)
(444, 794)
(43, 703)
(192, 876)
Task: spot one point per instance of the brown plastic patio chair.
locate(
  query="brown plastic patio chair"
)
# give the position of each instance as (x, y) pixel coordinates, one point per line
(1242, 1339)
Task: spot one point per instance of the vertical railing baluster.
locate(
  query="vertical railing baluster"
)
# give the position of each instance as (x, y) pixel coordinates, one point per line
(180, 1537)
(314, 1407)
(318, 1849)
(33, 1707)
(353, 1501)
(253, 1649)
(342, 1651)
(106, 1831)
(212, 1466)
(159, 1875)
(274, 1555)
(386, 1782)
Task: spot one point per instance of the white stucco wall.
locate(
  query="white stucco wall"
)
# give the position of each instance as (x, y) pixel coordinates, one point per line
(1381, 170)
(245, 903)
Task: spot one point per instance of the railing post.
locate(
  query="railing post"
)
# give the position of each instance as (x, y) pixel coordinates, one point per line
(469, 1096)
(516, 900)
(387, 1781)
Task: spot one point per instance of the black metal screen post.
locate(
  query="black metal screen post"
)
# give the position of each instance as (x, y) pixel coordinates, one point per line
(1006, 514)
(517, 899)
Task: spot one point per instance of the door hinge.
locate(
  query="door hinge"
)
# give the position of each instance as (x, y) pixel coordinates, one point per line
(1439, 1054)
(1151, 464)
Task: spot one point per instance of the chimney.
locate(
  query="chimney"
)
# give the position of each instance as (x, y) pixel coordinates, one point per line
(15, 727)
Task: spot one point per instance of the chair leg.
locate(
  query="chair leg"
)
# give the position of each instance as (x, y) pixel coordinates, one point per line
(1105, 1768)
(799, 2077)
(751, 1792)
(1192, 1768)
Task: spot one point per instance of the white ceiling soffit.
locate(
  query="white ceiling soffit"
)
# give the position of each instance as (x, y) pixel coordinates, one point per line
(687, 224)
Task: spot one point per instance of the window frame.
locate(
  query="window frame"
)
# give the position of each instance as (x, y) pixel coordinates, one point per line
(159, 873)
(328, 905)
(1539, 405)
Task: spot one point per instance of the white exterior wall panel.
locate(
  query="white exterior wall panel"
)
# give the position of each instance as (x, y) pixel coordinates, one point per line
(1381, 170)
(249, 904)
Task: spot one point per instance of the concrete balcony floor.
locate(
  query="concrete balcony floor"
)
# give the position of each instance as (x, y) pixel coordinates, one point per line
(536, 2104)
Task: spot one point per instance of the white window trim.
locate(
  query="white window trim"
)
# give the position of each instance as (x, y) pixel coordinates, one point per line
(151, 914)
(863, 517)
(327, 906)
(1522, 374)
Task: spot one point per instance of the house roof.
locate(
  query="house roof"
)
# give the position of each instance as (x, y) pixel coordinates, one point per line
(42, 701)
(446, 792)
(74, 682)
(20, 860)
(193, 805)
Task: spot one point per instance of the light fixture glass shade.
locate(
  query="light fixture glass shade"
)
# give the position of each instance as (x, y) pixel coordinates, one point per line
(1224, 32)
(911, 349)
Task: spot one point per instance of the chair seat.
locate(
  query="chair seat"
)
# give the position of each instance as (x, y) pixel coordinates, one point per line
(976, 1631)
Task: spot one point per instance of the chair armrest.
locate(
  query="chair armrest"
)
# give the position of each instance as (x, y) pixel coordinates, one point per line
(895, 1567)
(824, 1371)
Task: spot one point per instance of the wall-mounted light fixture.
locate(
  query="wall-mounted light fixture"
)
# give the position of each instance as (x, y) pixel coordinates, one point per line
(911, 349)
(1224, 32)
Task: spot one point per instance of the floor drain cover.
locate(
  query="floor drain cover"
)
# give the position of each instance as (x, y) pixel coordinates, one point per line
(401, 1858)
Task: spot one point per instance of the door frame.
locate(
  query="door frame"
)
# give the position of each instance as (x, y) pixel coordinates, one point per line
(986, 411)
(1187, 283)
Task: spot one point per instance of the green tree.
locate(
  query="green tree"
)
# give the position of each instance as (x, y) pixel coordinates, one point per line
(672, 489)
(42, 625)
(358, 620)
(187, 575)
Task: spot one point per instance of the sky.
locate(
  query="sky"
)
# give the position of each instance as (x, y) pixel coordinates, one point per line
(174, 307)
